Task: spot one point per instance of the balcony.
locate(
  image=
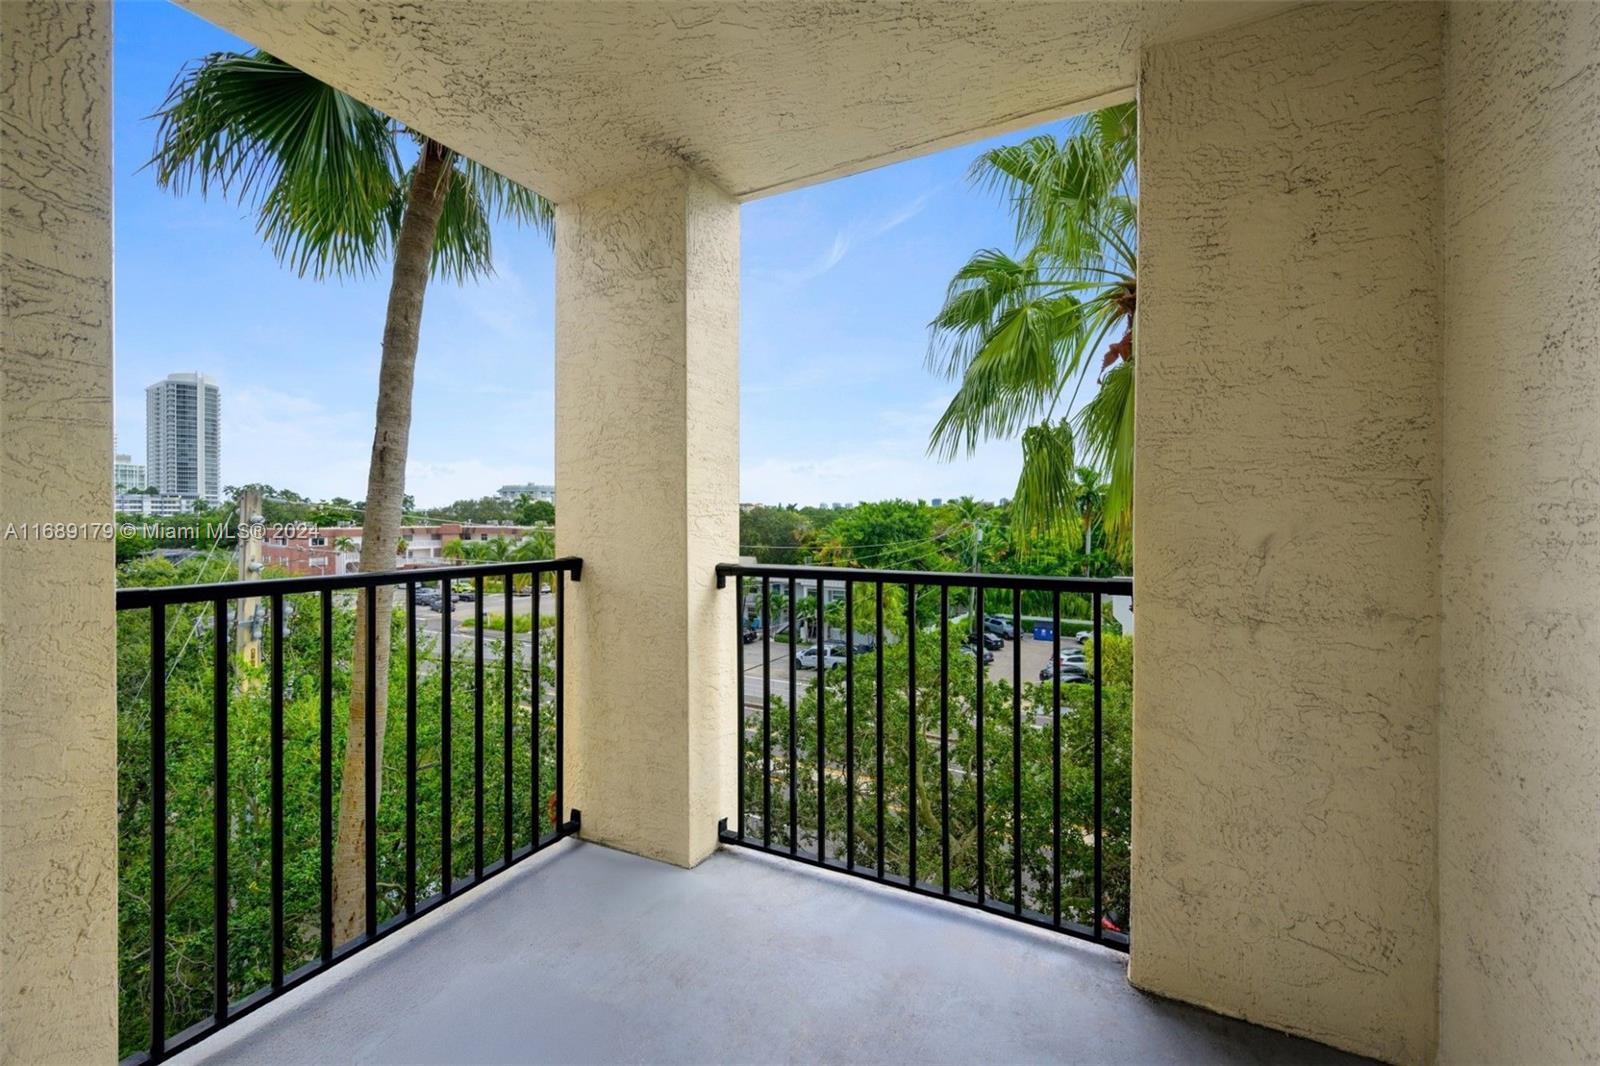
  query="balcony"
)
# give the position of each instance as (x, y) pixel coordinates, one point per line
(909, 756)
(1362, 799)
(585, 954)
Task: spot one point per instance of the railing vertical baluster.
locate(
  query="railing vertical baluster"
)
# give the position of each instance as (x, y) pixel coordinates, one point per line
(1055, 761)
(561, 689)
(508, 692)
(535, 713)
(1099, 685)
(276, 758)
(411, 748)
(766, 713)
(446, 744)
(1016, 751)
(1005, 837)
(849, 725)
(325, 785)
(911, 730)
(370, 748)
(944, 738)
(822, 670)
(794, 712)
(738, 624)
(477, 729)
(219, 807)
(158, 831)
(877, 720)
(982, 826)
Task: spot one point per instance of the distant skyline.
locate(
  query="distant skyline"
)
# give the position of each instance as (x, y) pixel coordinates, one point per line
(838, 283)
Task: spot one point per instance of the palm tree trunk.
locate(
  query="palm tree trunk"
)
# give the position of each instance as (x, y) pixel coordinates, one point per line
(386, 482)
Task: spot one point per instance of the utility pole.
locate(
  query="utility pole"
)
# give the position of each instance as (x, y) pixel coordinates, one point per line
(246, 626)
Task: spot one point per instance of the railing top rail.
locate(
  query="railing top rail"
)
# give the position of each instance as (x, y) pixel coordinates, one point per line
(130, 598)
(1109, 586)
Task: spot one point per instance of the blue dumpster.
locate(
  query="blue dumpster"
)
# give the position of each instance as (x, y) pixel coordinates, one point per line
(1043, 631)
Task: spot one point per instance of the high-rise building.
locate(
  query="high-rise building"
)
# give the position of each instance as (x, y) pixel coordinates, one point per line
(126, 475)
(183, 433)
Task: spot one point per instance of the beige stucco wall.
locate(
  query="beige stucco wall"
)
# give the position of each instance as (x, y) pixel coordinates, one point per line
(647, 457)
(58, 816)
(1287, 492)
(1519, 738)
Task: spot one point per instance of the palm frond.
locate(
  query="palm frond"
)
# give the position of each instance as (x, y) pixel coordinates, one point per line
(1105, 429)
(317, 166)
(463, 247)
(1043, 500)
(1021, 332)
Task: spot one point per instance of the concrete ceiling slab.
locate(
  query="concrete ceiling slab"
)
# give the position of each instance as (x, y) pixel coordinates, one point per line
(568, 96)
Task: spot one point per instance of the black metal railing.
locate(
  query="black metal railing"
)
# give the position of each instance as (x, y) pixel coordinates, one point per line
(305, 622)
(902, 760)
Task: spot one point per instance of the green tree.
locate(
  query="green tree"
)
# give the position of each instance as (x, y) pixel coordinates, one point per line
(338, 188)
(535, 512)
(887, 535)
(774, 535)
(192, 790)
(1020, 333)
(931, 757)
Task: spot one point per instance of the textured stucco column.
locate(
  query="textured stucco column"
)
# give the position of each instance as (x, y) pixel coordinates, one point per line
(58, 736)
(647, 472)
(1287, 493)
(1519, 738)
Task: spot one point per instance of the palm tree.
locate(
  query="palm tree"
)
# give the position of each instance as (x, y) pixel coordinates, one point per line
(1020, 333)
(337, 189)
(1087, 494)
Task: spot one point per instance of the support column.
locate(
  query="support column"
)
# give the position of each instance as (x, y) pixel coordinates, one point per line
(58, 735)
(647, 470)
(1286, 485)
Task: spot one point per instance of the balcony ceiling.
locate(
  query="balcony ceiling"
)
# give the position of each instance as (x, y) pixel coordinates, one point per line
(761, 97)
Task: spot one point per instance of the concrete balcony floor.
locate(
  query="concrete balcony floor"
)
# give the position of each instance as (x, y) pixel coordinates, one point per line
(585, 954)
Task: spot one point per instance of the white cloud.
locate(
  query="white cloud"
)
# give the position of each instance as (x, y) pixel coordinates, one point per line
(858, 231)
(292, 441)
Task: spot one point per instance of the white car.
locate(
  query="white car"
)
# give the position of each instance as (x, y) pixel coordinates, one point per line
(832, 655)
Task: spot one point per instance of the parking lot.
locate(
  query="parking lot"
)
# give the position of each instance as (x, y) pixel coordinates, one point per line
(1034, 654)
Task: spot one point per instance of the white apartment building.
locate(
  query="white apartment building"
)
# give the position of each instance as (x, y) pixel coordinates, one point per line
(513, 493)
(183, 435)
(126, 475)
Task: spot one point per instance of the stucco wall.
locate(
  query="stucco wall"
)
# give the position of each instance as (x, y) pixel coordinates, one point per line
(1287, 492)
(647, 446)
(1519, 778)
(58, 817)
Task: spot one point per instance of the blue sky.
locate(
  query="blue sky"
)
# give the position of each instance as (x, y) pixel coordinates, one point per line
(838, 284)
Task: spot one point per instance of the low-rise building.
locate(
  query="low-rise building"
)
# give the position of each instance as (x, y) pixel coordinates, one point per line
(152, 505)
(312, 550)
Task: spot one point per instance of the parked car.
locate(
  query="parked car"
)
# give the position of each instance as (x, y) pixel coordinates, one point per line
(1000, 627)
(990, 641)
(863, 644)
(428, 596)
(988, 656)
(1073, 671)
(832, 655)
